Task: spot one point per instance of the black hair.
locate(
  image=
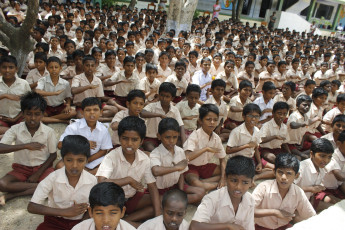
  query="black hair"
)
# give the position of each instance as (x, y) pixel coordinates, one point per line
(175, 195)
(41, 56)
(128, 59)
(135, 93)
(167, 124)
(244, 84)
(281, 63)
(54, 59)
(193, 88)
(287, 160)
(90, 101)
(321, 145)
(324, 83)
(309, 82)
(132, 123)
(78, 53)
(168, 87)
(107, 193)
(95, 50)
(109, 52)
(180, 63)
(218, 82)
(336, 82)
(240, 166)
(302, 98)
(75, 144)
(280, 105)
(206, 109)
(249, 63)
(291, 84)
(195, 53)
(268, 85)
(151, 67)
(32, 100)
(205, 59)
(163, 53)
(317, 92)
(341, 97)
(251, 107)
(9, 59)
(88, 58)
(338, 118)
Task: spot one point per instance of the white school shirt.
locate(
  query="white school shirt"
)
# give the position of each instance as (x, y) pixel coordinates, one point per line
(61, 194)
(337, 163)
(157, 224)
(180, 85)
(200, 79)
(100, 135)
(186, 111)
(223, 109)
(231, 82)
(89, 224)
(146, 86)
(34, 75)
(217, 208)
(261, 103)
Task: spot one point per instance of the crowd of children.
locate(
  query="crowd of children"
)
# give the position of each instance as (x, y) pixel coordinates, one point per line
(158, 120)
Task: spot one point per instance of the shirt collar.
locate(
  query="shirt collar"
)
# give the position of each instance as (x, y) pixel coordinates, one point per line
(83, 124)
(291, 191)
(138, 155)
(63, 179)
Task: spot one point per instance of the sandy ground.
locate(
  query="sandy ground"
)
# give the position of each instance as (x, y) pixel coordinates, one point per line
(14, 214)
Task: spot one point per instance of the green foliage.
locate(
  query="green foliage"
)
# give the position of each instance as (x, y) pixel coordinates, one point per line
(109, 2)
(196, 14)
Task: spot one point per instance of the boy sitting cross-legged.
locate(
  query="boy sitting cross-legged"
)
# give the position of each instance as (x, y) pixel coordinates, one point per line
(67, 189)
(107, 207)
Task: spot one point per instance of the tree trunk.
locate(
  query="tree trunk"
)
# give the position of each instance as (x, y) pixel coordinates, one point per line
(132, 4)
(18, 40)
(180, 15)
(234, 3)
(239, 9)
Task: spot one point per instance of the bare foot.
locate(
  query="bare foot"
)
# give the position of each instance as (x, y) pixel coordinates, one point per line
(2, 200)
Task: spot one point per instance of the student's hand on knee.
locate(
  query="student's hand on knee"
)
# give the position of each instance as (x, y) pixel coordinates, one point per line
(33, 178)
(76, 210)
(67, 110)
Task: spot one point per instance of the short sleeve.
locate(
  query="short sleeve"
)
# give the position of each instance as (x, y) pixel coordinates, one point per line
(233, 138)
(70, 130)
(9, 137)
(100, 92)
(75, 82)
(233, 102)
(149, 107)
(304, 207)
(178, 117)
(258, 194)
(205, 210)
(141, 85)
(155, 158)
(43, 189)
(190, 143)
(106, 167)
(149, 178)
(52, 142)
(68, 91)
(26, 86)
(106, 141)
(40, 83)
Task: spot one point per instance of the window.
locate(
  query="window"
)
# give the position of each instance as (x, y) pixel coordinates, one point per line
(324, 11)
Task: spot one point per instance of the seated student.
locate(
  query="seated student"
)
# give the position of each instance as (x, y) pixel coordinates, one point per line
(164, 107)
(304, 75)
(107, 207)
(200, 147)
(274, 133)
(338, 125)
(309, 86)
(40, 70)
(297, 125)
(124, 80)
(140, 65)
(231, 207)
(335, 175)
(203, 78)
(326, 85)
(247, 73)
(266, 76)
(57, 92)
(55, 50)
(189, 109)
(168, 162)
(288, 90)
(312, 172)
(236, 105)
(174, 207)
(193, 66)
(93, 130)
(71, 71)
(330, 115)
(163, 69)
(11, 89)
(230, 79)
(150, 84)
(87, 85)
(320, 75)
(67, 189)
(276, 201)
(127, 166)
(34, 150)
(216, 66)
(280, 75)
(293, 73)
(179, 81)
(333, 94)
(265, 102)
(107, 71)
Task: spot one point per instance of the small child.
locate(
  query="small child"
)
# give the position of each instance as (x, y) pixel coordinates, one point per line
(168, 162)
(127, 166)
(200, 147)
(274, 133)
(230, 207)
(174, 207)
(247, 74)
(230, 79)
(293, 74)
(326, 85)
(189, 109)
(179, 81)
(338, 125)
(330, 115)
(164, 108)
(124, 80)
(312, 172)
(107, 207)
(288, 90)
(297, 125)
(34, 150)
(320, 75)
(107, 71)
(236, 105)
(335, 175)
(193, 65)
(57, 92)
(265, 102)
(93, 130)
(280, 75)
(40, 70)
(163, 69)
(332, 95)
(309, 86)
(266, 76)
(150, 84)
(203, 78)
(277, 200)
(67, 189)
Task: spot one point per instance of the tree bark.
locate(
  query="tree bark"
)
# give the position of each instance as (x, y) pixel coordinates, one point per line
(180, 15)
(18, 40)
(239, 9)
(132, 4)
(234, 3)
